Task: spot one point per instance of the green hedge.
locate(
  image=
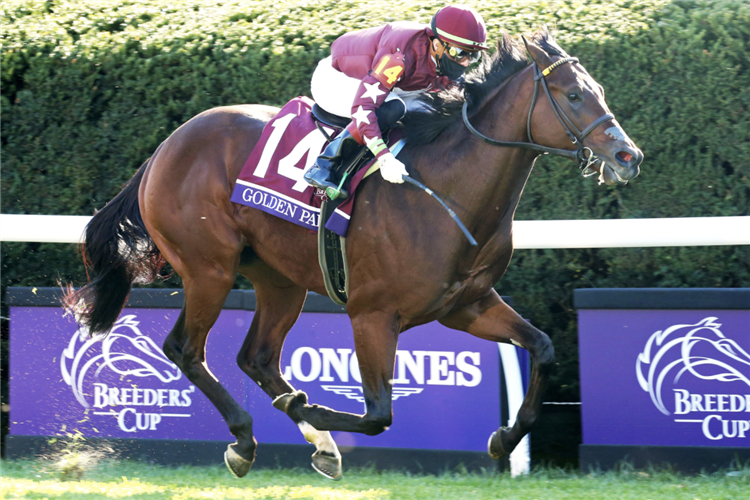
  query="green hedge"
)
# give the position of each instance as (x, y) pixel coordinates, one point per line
(91, 87)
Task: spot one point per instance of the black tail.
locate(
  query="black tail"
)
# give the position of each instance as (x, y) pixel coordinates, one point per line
(117, 253)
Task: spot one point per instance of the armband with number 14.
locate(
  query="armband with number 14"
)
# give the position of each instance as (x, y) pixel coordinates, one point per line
(388, 69)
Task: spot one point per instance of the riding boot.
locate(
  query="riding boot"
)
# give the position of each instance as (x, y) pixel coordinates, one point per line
(339, 150)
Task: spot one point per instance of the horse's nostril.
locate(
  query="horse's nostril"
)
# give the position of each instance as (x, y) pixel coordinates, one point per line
(624, 157)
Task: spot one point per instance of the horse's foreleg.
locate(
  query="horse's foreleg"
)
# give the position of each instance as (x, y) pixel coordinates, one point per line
(186, 347)
(278, 306)
(375, 341)
(491, 319)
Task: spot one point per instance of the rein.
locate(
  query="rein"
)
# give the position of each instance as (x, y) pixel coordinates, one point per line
(583, 155)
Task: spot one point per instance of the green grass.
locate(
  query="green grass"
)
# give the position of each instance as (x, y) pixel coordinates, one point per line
(131, 480)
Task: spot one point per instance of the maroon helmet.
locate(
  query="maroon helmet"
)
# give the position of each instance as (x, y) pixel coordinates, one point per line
(460, 26)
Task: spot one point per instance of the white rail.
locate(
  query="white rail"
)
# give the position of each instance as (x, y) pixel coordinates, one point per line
(608, 233)
(615, 233)
(43, 228)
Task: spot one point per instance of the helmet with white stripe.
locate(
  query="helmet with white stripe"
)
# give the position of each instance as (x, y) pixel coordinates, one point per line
(460, 26)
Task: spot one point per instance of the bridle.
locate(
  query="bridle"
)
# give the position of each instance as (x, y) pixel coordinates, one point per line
(583, 155)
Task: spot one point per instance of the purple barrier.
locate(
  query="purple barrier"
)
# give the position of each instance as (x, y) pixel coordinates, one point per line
(446, 392)
(665, 368)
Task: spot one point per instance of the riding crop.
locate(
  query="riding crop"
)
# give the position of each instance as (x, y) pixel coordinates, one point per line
(453, 215)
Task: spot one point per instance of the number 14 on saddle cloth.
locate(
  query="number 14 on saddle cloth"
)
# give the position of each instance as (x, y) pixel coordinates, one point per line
(272, 177)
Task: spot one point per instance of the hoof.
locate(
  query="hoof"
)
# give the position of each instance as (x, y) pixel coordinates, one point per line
(237, 465)
(287, 402)
(498, 446)
(327, 464)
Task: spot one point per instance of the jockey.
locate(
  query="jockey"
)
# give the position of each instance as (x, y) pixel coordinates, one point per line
(372, 75)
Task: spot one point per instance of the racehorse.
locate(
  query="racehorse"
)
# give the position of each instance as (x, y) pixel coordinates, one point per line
(408, 264)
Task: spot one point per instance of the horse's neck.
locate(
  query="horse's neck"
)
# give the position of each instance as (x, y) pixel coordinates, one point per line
(498, 175)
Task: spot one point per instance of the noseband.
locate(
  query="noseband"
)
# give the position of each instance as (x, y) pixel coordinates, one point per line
(583, 155)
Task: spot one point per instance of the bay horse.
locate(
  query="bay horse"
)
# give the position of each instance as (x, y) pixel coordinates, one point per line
(409, 264)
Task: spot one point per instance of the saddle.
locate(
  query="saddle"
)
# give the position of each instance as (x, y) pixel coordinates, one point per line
(326, 118)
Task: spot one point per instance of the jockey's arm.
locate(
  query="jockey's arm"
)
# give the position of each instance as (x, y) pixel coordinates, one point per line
(372, 93)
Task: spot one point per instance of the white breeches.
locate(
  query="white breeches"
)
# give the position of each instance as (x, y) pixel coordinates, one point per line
(335, 92)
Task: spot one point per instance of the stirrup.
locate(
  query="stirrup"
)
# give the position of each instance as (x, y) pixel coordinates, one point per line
(335, 193)
(332, 190)
(309, 177)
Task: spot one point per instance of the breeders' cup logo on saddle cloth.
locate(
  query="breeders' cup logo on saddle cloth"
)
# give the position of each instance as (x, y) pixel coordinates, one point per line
(687, 354)
(418, 367)
(90, 366)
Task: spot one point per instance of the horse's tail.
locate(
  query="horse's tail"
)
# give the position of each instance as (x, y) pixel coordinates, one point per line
(117, 253)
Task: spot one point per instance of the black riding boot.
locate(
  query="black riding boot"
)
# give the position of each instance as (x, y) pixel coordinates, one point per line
(340, 149)
(344, 147)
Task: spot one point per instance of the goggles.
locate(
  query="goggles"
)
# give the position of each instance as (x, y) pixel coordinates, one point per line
(460, 55)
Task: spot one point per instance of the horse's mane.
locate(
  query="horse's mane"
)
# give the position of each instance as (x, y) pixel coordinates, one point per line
(439, 110)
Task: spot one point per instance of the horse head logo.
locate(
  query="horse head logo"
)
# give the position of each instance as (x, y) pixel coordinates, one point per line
(125, 351)
(700, 350)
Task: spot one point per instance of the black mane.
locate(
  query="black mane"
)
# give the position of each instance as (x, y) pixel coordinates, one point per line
(441, 109)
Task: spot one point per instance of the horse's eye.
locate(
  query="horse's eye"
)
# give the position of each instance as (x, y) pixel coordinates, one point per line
(574, 97)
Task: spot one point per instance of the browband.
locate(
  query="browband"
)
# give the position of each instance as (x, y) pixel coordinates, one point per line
(557, 64)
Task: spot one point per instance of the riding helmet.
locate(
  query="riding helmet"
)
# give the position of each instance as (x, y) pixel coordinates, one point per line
(460, 26)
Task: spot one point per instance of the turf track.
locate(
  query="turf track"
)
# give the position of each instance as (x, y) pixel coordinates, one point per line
(44, 478)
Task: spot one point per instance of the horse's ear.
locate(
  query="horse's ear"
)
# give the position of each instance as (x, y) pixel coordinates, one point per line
(526, 44)
(536, 53)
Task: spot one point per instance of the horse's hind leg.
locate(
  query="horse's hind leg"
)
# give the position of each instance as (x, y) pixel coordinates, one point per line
(186, 347)
(279, 302)
(491, 319)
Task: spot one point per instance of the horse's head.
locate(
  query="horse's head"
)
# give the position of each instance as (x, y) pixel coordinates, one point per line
(571, 97)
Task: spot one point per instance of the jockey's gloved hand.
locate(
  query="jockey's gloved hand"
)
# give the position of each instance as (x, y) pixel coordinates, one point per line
(392, 169)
